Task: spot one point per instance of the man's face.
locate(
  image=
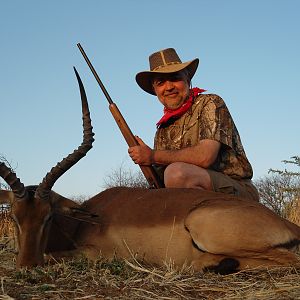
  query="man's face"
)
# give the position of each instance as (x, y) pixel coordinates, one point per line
(171, 89)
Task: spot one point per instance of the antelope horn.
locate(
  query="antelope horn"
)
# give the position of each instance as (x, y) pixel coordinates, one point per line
(44, 188)
(13, 181)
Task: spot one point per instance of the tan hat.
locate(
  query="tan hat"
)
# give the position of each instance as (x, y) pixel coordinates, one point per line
(162, 62)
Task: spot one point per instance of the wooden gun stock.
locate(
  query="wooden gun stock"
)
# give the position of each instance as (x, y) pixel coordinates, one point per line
(148, 171)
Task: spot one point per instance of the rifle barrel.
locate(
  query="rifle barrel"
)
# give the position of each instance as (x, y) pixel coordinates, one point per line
(110, 101)
(148, 171)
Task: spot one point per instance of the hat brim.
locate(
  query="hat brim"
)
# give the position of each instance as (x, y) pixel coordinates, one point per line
(144, 79)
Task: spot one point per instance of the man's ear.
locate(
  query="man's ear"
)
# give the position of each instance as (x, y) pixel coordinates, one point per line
(6, 197)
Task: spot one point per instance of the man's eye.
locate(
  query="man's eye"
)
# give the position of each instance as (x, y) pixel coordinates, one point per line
(159, 82)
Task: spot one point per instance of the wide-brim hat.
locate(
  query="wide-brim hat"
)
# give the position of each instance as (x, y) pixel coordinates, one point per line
(162, 62)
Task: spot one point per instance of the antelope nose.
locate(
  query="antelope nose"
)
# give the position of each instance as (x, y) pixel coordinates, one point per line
(29, 263)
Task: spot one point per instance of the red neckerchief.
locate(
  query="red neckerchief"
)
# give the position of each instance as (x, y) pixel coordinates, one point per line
(178, 112)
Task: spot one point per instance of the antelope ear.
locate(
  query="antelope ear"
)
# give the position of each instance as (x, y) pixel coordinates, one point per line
(6, 197)
(63, 205)
(67, 207)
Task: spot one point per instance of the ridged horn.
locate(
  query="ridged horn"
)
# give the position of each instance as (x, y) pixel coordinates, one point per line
(13, 181)
(44, 188)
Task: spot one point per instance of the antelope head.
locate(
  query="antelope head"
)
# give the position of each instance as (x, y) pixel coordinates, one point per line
(32, 207)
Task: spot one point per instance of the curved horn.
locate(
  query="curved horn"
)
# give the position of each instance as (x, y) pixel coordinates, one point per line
(13, 181)
(44, 188)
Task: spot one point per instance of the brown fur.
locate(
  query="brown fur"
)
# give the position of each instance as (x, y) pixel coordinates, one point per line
(166, 224)
(208, 230)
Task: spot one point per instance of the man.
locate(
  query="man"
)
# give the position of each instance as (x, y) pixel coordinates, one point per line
(196, 144)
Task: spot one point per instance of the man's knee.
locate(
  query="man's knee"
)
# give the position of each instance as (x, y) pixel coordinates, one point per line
(186, 175)
(175, 175)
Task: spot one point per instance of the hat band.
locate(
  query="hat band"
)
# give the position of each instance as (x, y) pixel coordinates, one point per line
(168, 64)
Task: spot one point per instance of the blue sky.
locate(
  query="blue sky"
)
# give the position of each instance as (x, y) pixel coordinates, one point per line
(248, 51)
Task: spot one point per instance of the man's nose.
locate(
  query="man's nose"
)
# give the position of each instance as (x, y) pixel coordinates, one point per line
(169, 85)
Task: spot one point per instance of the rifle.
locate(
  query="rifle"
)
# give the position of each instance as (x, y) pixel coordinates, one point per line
(148, 171)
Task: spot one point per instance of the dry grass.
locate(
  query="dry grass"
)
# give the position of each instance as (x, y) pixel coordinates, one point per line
(294, 211)
(80, 279)
(7, 229)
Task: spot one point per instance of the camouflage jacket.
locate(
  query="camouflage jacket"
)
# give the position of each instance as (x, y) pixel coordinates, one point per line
(208, 118)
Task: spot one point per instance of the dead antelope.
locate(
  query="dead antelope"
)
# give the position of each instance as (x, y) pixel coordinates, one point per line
(186, 226)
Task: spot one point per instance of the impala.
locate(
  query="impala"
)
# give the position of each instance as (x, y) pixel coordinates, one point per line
(207, 230)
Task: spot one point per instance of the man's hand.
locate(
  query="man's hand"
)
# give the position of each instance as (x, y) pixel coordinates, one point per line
(141, 154)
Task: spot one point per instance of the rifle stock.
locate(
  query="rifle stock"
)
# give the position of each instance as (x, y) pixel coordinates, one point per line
(148, 171)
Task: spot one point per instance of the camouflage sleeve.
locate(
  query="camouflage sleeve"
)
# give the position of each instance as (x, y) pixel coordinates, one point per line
(216, 121)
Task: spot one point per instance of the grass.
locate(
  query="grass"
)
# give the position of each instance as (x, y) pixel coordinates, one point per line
(80, 279)
(294, 211)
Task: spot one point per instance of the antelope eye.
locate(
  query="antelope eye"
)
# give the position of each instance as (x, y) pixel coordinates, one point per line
(48, 219)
